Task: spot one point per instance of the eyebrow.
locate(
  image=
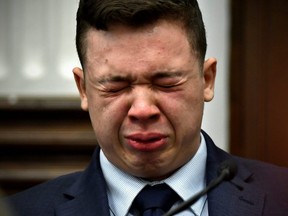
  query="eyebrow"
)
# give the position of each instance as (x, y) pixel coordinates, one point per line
(169, 74)
(157, 75)
(113, 78)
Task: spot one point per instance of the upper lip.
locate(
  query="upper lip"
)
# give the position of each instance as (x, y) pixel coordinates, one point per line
(145, 136)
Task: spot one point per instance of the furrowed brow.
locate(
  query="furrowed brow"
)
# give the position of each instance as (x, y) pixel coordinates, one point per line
(113, 78)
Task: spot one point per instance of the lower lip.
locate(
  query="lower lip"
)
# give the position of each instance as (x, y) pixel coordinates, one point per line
(146, 146)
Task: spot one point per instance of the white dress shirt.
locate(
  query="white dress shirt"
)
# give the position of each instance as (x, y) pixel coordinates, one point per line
(122, 188)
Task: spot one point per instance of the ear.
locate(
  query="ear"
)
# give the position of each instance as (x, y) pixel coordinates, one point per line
(80, 82)
(209, 73)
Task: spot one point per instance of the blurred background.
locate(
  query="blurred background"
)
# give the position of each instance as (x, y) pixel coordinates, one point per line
(44, 133)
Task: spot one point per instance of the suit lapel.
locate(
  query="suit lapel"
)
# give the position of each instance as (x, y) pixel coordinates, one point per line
(87, 196)
(227, 200)
(83, 205)
(237, 197)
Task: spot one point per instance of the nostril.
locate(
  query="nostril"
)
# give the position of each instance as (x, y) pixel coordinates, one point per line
(154, 117)
(134, 118)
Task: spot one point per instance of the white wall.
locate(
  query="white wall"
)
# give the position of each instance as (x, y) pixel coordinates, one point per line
(216, 15)
(37, 53)
(37, 49)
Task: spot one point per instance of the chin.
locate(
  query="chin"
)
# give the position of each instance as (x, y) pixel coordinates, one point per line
(153, 173)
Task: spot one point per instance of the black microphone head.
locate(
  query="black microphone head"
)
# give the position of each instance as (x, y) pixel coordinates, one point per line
(227, 168)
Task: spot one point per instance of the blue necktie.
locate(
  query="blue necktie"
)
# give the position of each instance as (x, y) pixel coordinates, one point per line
(155, 200)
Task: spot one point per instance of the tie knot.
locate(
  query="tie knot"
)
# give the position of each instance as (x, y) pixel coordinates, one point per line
(155, 198)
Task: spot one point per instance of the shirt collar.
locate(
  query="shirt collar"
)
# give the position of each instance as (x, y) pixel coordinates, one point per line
(122, 188)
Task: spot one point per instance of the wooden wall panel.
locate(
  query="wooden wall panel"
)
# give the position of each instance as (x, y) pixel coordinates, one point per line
(41, 140)
(259, 80)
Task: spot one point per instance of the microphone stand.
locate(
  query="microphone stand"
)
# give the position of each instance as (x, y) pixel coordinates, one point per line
(214, 183)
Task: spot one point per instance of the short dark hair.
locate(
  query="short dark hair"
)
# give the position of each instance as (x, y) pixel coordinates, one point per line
(101, 14)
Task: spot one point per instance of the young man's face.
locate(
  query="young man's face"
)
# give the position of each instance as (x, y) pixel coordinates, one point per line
(145, 94)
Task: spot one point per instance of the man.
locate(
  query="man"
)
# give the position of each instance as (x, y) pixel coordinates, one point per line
(144, 81)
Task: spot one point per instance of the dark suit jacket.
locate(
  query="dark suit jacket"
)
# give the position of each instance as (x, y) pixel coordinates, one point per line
(258, 189)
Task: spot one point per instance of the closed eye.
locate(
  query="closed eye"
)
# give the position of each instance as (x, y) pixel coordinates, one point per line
(167, 86)
(114, 84)
(115, 87)
(168, 80)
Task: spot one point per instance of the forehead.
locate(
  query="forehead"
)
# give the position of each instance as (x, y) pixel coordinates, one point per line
(126, 46)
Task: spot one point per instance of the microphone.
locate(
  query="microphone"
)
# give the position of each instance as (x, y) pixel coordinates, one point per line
(226, 171)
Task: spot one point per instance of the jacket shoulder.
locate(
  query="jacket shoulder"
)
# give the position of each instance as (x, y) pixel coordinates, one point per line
(265, 173)
(41, 199)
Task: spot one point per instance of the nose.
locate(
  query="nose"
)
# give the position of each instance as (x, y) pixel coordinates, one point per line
(144, 107)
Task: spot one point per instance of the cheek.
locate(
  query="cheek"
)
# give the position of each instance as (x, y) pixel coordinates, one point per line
(188, 100)
(184, 111)
(107, 115)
